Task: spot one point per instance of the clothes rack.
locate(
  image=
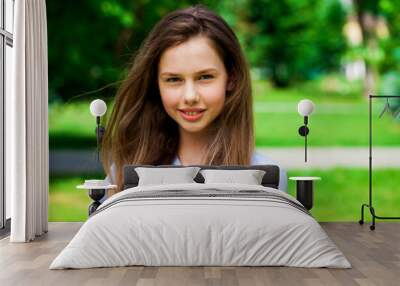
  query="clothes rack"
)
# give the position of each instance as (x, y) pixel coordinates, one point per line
(370, 204)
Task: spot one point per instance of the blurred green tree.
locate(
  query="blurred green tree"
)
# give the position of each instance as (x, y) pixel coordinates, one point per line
(378, 46)
(390, 67)
(295, 39)
(390, 10)
(91, 42)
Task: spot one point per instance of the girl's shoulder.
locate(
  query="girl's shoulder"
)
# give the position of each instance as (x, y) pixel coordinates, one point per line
(176, 161)
(261, 159)
(110, 178)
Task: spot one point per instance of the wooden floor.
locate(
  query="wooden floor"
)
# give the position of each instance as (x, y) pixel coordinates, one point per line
(374, 255)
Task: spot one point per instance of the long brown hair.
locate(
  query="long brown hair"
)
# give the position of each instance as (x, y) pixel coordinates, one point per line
(140, 131)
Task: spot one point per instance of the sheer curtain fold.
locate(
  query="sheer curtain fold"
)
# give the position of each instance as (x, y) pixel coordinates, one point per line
(28, 124)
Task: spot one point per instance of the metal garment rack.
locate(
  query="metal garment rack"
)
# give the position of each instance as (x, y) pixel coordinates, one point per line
(369, 205)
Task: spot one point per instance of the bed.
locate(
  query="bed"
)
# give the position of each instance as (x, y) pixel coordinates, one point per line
(201, 224)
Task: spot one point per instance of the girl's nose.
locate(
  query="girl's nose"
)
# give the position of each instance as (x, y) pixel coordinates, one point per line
(190, 94)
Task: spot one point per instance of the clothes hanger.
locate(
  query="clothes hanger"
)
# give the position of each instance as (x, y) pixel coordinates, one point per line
(396, 113)
(385, 108)
(393, 112)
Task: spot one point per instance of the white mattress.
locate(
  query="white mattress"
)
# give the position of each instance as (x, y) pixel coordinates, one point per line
(189, 230)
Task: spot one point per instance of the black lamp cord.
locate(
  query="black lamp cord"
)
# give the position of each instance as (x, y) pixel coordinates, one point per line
(305, 138)
(98, 137)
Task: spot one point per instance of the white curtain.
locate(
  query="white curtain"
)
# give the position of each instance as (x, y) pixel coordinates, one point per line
(27, 173)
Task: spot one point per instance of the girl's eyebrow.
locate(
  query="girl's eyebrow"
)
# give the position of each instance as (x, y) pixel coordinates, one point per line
(199, 72)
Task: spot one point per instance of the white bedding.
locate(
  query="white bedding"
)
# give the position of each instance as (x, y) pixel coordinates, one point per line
(233, 230)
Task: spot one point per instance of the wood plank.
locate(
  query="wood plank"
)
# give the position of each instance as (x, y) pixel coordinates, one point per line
(374, 255)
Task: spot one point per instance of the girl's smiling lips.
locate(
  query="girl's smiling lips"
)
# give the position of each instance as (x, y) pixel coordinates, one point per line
(192, 114)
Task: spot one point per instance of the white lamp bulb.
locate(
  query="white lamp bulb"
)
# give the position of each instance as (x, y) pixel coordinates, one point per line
(305, 107)
(98, 107)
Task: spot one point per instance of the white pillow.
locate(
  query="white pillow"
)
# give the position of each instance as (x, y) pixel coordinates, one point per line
(161, 176)
(249, 177)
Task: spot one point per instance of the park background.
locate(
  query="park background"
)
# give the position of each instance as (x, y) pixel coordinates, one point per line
(334, 52)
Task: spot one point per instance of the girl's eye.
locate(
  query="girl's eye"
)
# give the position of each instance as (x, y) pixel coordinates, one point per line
(206, 76)
(173, 79)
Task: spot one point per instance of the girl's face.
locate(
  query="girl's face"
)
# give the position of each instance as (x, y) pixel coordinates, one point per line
(192, 80)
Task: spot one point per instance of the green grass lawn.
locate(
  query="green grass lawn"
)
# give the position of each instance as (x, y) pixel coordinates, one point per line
(66, 202)
(338, 196)
(340, 118)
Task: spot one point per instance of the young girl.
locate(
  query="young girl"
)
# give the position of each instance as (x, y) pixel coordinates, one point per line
(186, 100)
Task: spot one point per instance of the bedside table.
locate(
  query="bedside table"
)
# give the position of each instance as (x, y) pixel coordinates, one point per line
(96, 193)
(305, 190)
